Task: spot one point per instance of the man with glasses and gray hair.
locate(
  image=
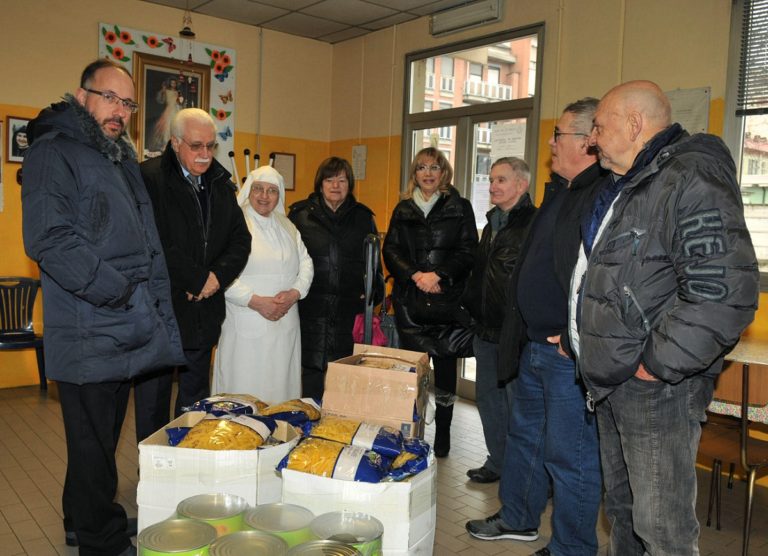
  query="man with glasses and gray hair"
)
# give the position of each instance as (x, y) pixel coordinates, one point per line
(207, 243)
(552, 438)
(88, 223)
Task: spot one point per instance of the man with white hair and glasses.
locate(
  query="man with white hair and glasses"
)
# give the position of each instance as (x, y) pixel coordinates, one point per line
(207, 243)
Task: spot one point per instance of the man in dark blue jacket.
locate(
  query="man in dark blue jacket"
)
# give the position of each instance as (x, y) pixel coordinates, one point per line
(88, 223)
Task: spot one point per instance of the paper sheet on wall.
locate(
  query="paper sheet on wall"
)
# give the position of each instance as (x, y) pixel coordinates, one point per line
(2, 200)
(690, 108)
(359, 158)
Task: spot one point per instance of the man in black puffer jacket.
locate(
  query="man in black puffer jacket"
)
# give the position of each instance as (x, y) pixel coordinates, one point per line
(107, 311)
(207, 243)
(486, 296)
(666, 282)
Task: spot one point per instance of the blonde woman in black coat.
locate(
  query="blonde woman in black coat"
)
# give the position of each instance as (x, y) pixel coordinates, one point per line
(429, 249)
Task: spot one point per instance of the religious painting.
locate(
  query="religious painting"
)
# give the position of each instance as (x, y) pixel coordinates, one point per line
(16, 142)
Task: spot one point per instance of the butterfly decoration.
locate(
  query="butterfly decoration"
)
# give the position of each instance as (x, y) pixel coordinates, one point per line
(222, 76)
(170, 43)
(226, 133)
(227, 98)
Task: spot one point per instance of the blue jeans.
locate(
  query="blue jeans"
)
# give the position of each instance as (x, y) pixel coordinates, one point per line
(551, 436)
(649, 436)
(492, 403)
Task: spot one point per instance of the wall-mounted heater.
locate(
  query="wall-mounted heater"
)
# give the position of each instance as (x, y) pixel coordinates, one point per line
(465, 16)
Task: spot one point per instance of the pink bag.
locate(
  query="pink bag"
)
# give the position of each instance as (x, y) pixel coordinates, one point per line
(358, 331)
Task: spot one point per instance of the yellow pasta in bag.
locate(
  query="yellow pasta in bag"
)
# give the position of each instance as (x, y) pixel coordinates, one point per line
(228, 432)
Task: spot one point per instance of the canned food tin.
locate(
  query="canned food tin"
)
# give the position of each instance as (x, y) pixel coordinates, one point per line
(179, 537)
(323, 548)
(244, 543)
(222, 511)
(287, 521)
(360, 530)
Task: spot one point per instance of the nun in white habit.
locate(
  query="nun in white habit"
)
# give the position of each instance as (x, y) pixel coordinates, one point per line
(259, 350)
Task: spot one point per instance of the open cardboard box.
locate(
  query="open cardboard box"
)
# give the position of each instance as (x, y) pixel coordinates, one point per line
(169, 474)
(396, 398)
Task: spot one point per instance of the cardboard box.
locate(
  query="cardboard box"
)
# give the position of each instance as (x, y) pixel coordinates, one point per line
(406, 509)
(168, 474)
(381, 396)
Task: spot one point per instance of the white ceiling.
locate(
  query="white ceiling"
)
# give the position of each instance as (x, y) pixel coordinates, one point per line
(325, 20)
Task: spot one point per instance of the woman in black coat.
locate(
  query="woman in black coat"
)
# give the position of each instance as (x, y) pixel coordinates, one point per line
(429, 249)
(333, 226)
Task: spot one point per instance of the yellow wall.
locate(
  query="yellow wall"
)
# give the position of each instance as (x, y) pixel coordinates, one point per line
(319, 100)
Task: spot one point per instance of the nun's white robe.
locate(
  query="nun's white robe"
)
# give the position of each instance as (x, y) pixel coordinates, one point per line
(255, 355)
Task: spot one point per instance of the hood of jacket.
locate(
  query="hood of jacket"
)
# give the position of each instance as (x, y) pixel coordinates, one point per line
(70, 118)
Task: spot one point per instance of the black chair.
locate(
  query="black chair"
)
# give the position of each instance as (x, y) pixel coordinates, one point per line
(17, 299)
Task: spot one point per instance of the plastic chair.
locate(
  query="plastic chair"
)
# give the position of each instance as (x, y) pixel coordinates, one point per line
(17, 300)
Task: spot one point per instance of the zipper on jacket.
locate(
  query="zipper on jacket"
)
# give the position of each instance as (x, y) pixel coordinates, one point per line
(630, 298)
(635, 234)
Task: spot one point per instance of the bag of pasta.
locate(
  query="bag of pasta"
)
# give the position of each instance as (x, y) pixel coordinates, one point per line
(383, 440)
(232, 403)
(412, 460)
(227, 431)
(333, 459)
(296, 412)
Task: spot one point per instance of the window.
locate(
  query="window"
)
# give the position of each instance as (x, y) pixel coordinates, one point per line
(494, 73)
(746, 125)
(475, 71)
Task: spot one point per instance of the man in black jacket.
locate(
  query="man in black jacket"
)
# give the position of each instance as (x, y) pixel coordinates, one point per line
(551, 436)
(107, 310)
(207, 243)
(666, 282)
(485, 298)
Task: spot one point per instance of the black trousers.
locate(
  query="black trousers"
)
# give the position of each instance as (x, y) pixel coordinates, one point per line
(152, 392)
(93, 416)
(445, 373)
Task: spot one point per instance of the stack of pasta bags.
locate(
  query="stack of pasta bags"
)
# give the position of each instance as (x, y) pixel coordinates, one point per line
(352, 450)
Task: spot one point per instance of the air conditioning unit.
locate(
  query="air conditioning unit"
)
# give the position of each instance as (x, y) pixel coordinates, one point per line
(464, 17)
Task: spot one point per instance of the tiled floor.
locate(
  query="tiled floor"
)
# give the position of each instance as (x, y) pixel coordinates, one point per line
(32, 468)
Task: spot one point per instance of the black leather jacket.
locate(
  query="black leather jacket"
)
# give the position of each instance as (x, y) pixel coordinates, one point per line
(444, 242)
(486, 293)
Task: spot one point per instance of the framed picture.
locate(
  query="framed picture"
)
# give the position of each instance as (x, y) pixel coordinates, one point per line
(285, 163)
(16, 143)
(164, 86)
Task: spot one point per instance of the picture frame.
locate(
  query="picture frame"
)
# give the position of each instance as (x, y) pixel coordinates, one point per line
(285, 163)
(164, 86)
(16, 142)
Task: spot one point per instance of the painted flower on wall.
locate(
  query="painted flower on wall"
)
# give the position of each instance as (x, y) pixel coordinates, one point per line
(109, 36)
(152, 41)
(220, 114)
(118, 53)
(221, 62)
(125, 37)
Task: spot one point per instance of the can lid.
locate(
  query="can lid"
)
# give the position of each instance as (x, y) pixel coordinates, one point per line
(177, 535)
(347, 527)
(248, 542)
(324, 548)
(278, 517)
(211, 506)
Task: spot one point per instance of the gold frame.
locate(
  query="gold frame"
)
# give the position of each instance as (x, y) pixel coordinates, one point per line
(142, 63)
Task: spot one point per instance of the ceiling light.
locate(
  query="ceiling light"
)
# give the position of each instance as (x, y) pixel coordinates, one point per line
(465, 16)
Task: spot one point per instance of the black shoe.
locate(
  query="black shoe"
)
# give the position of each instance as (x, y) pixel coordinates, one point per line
(131, 528)
(493, 528)
(542, 552)
(443, 417)
(482, 475)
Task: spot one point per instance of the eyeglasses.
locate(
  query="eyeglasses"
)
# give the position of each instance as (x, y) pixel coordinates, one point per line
(260, 190)
(113, 99)
(433, 168)
(557, 133)
(197, 147)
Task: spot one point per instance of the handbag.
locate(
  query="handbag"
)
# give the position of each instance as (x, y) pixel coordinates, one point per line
(367, 326)
(378, 337)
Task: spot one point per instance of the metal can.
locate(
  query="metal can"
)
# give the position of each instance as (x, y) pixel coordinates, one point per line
(244, 543)
(356, 529)
(323, 548)
(223, 511)
(179, 537)
(287, 521)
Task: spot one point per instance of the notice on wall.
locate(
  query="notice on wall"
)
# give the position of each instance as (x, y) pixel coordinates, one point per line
(690, 108)
(359, 159)
(507, 139)
(481, 199)
(1, 168)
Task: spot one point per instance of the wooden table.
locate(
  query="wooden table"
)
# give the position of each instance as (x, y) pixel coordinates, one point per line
(748, 351)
